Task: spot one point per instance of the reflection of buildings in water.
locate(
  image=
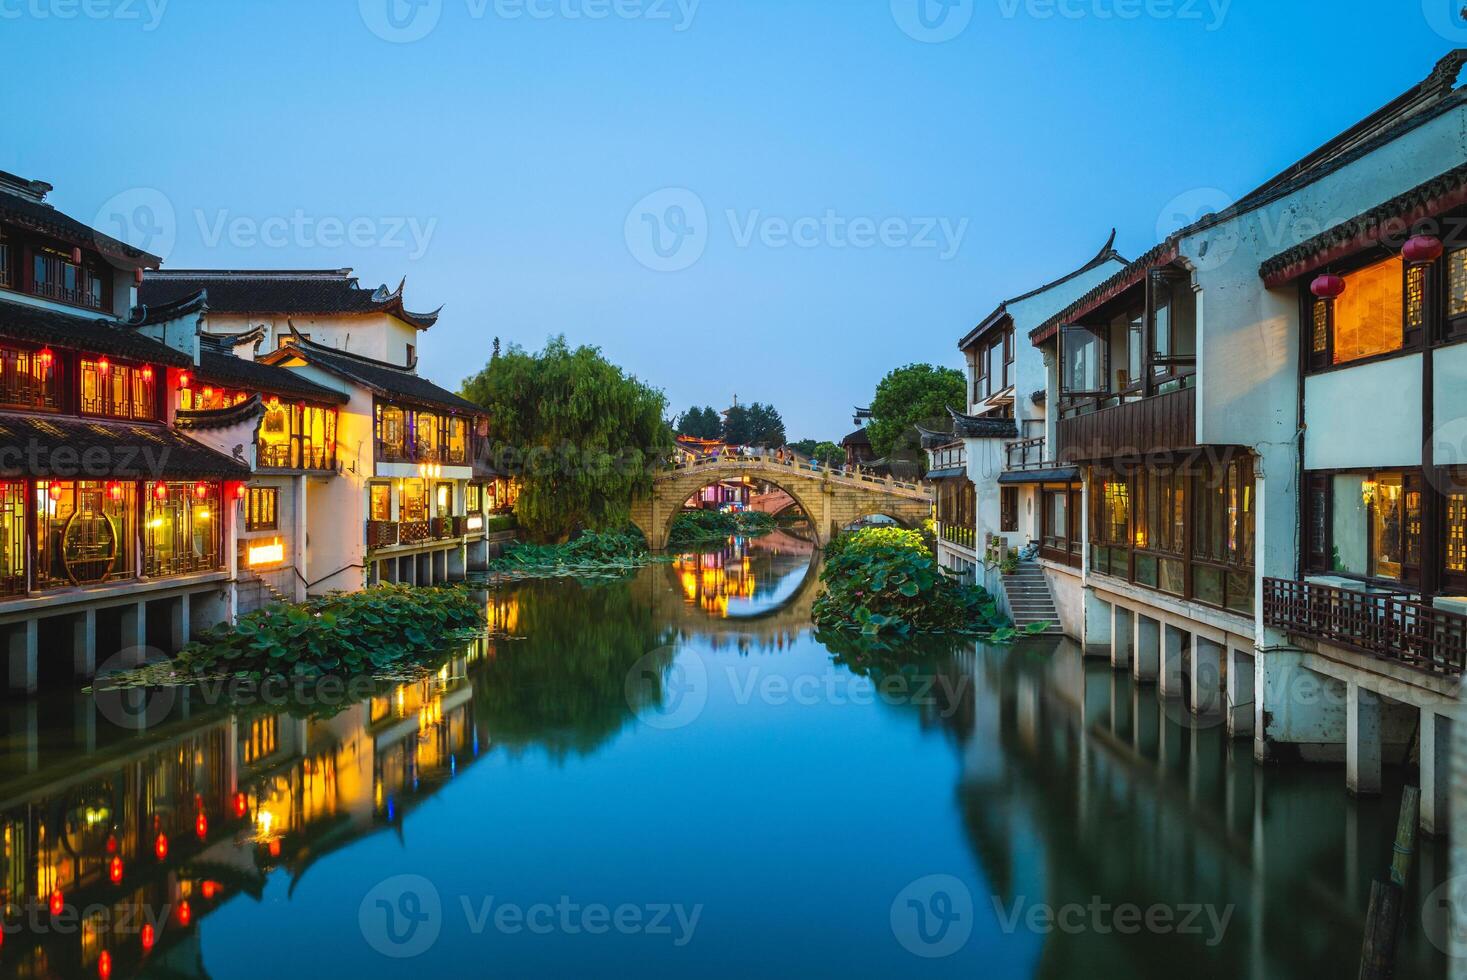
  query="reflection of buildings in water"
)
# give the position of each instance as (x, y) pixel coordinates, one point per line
(141, 846)
(1078, 783)
(745, 569)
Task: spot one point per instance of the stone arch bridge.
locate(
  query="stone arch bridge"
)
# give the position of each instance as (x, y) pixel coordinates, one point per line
(831, 498)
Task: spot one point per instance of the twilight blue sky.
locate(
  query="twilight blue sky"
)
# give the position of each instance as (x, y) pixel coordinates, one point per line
(522, 139)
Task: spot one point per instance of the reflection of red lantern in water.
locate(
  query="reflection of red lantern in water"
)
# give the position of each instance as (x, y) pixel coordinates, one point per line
(201, 825)
(114, 870)
(209, 889)
(104, 965)
(160, 846)
(241, 805)
(148, 936)
(58, 904)
(185, 914)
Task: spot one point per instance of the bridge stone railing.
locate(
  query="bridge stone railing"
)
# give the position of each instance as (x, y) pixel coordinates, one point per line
(851, 477)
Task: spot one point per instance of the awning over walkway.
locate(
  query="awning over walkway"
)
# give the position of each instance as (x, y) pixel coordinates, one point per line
(1060, 474)
(949, 474)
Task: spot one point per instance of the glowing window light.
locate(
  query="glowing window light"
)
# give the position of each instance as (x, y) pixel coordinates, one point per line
(266, 553)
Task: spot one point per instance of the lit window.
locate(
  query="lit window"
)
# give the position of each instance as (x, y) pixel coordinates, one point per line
(1368, 316)
(262, 509)
(381, 502)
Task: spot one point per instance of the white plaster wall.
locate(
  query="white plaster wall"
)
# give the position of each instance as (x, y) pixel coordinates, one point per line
(285, 517)
(1364, 416)
(1449, 438)
(377, 335)
(1249, 336)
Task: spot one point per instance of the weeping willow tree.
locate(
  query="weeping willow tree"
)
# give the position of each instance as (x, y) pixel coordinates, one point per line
(581, 434)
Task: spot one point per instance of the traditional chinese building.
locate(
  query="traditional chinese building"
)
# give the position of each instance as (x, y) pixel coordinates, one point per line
(115, 530)
(382, 461)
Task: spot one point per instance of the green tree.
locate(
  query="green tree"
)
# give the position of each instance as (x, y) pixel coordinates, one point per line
(700, 423)
(829, 453)
(912, 395)
(736, 428)
(582, 435)
(766, 426)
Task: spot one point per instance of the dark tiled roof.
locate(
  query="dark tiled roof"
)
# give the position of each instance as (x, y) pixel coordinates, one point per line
(221, 418)
(858, 438)
(1059, 474)
(20, 321)
(42, 217)
(88, 449)
(1391, 220)
(1427, 100)
(973, 427)
(951, 473)
(284, 293)
(396, 383)
(1108, 290)
(143, 316)
(1106, 254)
(236, 372)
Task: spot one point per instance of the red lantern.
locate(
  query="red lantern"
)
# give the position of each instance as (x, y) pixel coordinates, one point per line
(1327, 286)
(160, 846)
(103, 365)
(160, 491)
(201, 825)
(241, 491)
(104, 965)
(147, 373)
(57, 903)
(183, 379)
(209, 890)
(114, 490)
(114, 869)
(55, 491)
(75, 255)
(208, 392)
(1422, 250)
(201, 490)
(137, 276)
(46, 356)
(185, 914)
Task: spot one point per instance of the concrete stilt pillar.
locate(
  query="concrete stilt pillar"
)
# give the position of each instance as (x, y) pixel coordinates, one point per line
(31, 713)
(1122, 637)
(1239, 694)
(84, 723)
(84, 644)
(1146, 651)
(300, 558)
(1096, 706)
(178, 622)
(23, 654)
(1436, 771)
(135, 630)
(1120, 706)
(1174, 651)
(1206, 679)
(1362, 741)
(457, 562)
(1098, 621)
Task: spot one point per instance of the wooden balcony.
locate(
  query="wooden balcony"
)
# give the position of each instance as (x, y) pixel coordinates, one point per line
(381, 534)
(1026, 454)
(1162, 423)
(1377, 624)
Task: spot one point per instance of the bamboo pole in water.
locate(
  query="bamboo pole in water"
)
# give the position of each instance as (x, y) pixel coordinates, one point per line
(1383, 919)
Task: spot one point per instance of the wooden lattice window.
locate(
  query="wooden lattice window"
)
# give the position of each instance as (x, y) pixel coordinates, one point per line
(262, 509)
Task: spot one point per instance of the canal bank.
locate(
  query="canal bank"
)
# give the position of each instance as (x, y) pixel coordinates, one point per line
(678, 749)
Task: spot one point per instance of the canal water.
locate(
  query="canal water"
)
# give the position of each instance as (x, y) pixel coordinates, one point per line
(673, 776)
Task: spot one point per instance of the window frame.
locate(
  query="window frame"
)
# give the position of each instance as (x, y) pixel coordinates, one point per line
(256, 518)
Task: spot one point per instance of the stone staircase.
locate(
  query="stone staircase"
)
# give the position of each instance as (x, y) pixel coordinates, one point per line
(1030, 600)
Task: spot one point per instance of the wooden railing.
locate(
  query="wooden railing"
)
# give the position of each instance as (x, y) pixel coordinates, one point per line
(442, 527)
(1164, 422)
(1382, 625)
(413, 532)
(1025, 454)
(381, 534)
(959, 535)
(839, 474)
